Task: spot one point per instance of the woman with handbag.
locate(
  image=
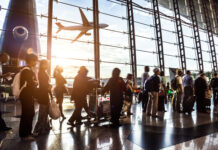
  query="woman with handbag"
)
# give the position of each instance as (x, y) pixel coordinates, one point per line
(60, 88)
(42, 125)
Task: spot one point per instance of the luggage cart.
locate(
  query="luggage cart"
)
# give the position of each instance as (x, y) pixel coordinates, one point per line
(99, 106)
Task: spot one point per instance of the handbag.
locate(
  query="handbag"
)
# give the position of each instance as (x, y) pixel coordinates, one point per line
(162, 93)
(208, 94)
(54, 111)
(126, 105)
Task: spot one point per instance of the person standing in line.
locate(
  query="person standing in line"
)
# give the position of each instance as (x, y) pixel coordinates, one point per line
(60, 88)
(145, 76)
(162, 93)
(42, 125)
(81, 87)
(4, 58)
(188, 86)
(214, 86)
(129, 93)
(117, 87)
(28, 77)
(153, 83)
(200, 86)
(179, 91)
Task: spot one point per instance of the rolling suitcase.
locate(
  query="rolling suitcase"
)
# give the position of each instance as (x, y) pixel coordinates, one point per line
(188, 104)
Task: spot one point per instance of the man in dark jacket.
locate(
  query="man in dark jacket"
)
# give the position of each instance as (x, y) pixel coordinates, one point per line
(117, 87)
(3, 59)
(153, 90)
(214, 86)
(81, 86)
(200, 86)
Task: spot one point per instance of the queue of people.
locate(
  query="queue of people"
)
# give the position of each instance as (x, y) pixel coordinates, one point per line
(154, 97)
(187, 91)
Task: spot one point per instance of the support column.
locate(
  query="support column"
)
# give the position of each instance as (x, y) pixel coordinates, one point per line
(180, 35)
(196, 35)
(96, 39)
(158, 35)
(49, 33)
(132, 45)
(209, 33)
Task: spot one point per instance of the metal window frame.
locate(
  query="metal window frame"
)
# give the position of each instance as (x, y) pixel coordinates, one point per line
(209, 33)
(196, 35)
(132, 43)
(158, 35)
(179, 34)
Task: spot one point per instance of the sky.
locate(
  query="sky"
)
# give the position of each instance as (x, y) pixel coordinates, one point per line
(78, 50)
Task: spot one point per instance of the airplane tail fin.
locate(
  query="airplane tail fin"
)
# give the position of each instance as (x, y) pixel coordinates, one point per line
(60, 26)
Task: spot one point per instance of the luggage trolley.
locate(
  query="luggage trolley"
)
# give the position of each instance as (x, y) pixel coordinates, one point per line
(99, 106)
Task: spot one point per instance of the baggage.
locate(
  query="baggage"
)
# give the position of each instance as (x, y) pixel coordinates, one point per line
(148, 84)
(174, 85)
(208, 94)
(104, 108)
(188, 104)
(54, 111)
(126, 106)
(16, 89)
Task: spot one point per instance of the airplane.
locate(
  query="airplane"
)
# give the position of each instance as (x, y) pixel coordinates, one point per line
(84, 28)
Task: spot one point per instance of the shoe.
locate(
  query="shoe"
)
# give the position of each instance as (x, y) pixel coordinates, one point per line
(6, 129)
(28, 138)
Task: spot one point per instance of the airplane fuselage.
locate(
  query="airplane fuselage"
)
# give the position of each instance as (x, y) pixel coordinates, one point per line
(84, 28)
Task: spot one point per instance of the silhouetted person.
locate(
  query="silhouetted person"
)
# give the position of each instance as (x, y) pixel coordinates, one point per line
(42, 125)
(60, 88)
(3, 59)
(214, 86)
(153, 91)
(188, 87)
(179, 91)
(200, 86)
(129, 93)
(145, 76)
(162, 93)
(81, 87)
(117, 87)
(28, 77)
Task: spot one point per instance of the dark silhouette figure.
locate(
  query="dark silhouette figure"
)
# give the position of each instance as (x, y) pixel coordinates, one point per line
(200, 86)
(42, 125)
(81, 87)
(3, 59)
(60, 88)
(117, 87)
(27, 97)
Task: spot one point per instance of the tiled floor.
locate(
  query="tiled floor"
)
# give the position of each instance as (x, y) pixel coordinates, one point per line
(169, 131)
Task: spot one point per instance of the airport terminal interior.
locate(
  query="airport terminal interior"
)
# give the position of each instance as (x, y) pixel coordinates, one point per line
(98, 36)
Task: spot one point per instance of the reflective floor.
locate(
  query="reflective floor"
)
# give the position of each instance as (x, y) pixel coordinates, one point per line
(169, 131)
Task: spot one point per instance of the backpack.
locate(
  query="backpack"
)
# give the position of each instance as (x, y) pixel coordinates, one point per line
(148, 84)
(174, 85)
(16, 89)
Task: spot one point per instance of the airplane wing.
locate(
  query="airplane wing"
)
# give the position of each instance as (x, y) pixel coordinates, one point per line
(78, 36)
(84, 19)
